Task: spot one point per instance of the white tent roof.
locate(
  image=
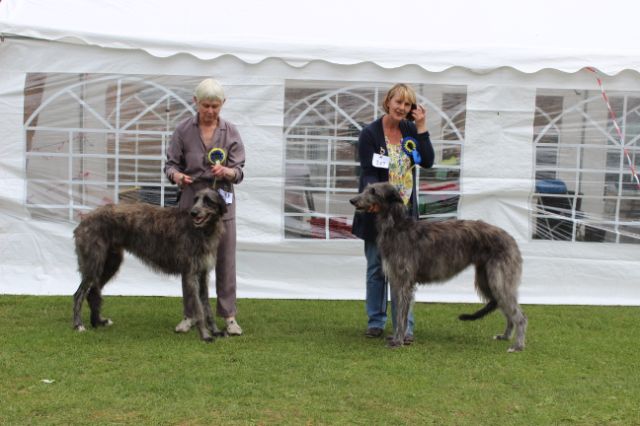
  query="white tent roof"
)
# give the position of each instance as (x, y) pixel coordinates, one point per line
(564, 35)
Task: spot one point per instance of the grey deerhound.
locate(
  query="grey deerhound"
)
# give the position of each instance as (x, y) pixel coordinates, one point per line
(417, 252)
(169, 240)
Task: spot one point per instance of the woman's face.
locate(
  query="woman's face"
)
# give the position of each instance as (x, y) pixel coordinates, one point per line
(399, 107)
(208, 111)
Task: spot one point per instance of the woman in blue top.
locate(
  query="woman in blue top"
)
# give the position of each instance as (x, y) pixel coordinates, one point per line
(386, 147)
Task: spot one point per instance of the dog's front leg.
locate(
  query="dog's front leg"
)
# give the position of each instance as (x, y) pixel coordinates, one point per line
(203, 285)
(402, 294)
(190, 281)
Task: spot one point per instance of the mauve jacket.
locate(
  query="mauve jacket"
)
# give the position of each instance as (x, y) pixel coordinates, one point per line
(187, 154)
(372, 141)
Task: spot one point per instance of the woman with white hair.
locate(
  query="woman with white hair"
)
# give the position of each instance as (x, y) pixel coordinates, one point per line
(205, 149)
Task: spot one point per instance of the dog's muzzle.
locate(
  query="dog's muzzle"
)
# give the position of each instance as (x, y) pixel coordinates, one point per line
(199, 219)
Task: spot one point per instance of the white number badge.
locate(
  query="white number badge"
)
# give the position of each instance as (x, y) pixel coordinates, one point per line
(380, 161)
(228, 196)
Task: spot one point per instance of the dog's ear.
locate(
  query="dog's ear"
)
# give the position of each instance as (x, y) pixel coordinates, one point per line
(392, 195)
(221, 203)
(389, 193)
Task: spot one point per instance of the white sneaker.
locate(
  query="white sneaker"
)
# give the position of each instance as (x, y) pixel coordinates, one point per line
(233, 328)
(185, 325)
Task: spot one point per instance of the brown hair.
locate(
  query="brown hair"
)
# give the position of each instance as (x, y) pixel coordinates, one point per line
(401, 89)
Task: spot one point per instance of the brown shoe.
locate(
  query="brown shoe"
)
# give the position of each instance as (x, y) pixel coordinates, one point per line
(374, 332)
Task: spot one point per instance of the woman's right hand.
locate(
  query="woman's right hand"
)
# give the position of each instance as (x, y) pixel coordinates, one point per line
(182, 179)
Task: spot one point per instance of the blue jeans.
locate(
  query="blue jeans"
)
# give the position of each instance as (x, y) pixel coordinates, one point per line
(376, 298)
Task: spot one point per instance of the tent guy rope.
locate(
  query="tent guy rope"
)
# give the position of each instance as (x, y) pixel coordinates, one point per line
(612, 114)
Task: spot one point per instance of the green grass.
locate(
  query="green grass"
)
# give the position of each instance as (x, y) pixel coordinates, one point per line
(307, 362)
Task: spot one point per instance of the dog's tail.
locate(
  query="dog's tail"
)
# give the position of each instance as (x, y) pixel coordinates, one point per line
(485, 310)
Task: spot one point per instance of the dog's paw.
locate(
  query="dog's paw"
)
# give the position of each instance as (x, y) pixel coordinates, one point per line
(80, 328)
(205, 335)
(102, 322)
(513, 349)
(394, 344)
(500, 337)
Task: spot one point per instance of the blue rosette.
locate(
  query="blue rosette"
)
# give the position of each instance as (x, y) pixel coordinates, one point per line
(410, 147)
(217, 156)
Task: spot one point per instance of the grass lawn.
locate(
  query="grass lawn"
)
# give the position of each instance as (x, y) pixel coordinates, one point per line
(308, 362)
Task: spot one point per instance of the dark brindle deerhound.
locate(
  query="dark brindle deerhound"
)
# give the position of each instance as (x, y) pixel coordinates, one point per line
(417, 252)
(169, 240)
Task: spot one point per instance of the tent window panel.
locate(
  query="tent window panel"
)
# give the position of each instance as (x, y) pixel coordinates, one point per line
(106, 132)
(140, 144)
(446, 154)
(454, 105)
(629, 233)
(47, 167)
(439, 192)
(313, 149)
(548, 112)
(318, 227)
(51, 213)
(89, 195)
(48, 142)
(345, 176)
(345, 150)
(580, 167)
(300, 175)
(48, 193)
(301, 200)
(546, 157)
(92, 143)
(627, 111)
(438, 204)
(151, 194)
(137, 171)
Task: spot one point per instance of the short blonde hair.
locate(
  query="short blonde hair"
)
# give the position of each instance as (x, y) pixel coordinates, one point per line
(404, 90)
(209, 90)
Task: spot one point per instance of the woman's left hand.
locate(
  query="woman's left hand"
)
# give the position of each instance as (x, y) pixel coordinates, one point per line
(222, 172)
(420, 117)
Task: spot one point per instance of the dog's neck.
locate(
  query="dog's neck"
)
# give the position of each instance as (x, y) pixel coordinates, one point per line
(393, 218)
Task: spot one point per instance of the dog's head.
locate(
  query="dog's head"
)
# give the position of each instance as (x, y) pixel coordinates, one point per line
(208, 207)
(375, 197)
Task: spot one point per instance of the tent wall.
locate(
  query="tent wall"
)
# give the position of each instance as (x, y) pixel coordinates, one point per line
(497, 182)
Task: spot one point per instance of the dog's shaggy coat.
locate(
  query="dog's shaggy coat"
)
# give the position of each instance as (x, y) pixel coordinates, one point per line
(169, 240)
(418, 252)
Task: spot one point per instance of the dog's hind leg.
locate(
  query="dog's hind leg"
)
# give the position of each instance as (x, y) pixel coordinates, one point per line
(504, 278)
(508, 329)
(78, 299)
(111, 266)
(517, 319)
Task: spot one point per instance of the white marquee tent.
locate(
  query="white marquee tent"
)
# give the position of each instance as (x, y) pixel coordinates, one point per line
(90, 92)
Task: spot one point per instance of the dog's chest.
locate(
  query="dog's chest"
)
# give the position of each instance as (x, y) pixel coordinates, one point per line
(209, 258)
